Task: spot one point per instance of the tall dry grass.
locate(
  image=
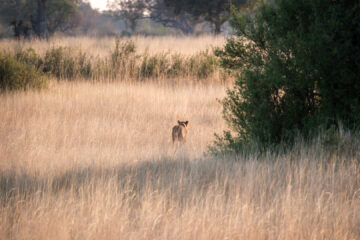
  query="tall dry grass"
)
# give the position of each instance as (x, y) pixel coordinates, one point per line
(101, 47)
(97, 124)
(161, 59)
(95, 161)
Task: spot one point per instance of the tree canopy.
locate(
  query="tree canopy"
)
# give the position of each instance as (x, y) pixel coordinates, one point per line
(43, 17)
(217, 12)
(298, 68)
(131, 11)
(180, 14)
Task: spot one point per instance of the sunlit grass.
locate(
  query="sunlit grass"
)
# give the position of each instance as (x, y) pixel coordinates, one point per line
(101, 47)
(84, 160)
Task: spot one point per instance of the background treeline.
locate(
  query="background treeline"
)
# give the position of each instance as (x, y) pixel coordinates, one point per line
(24, 68)
(44, 18)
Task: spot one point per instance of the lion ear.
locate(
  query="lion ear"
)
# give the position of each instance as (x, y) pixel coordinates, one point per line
(179, 122)
(186, 123)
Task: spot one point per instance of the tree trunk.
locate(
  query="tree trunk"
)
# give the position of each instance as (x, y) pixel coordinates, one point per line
(186, 26)
(217, 27)
(133, 24)
(39, 23)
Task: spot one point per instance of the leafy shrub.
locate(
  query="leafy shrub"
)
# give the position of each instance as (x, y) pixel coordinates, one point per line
(154, 66)
(17, 75)
(63, 63)
(202, 65)
(148, 66)
(298, 67)
(84, 65)
(29, 57)
(123, 58)
(58, 62)
(122, 63)
(122, 51)
(177, 67)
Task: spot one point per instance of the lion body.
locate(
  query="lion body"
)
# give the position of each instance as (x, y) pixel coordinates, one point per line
(179, 132)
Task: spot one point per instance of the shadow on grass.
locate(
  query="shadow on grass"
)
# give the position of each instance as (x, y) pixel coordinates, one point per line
(156, 175)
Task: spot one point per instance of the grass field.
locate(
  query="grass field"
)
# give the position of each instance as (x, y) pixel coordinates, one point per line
(95, 124)
(84, 160)
(101, 47)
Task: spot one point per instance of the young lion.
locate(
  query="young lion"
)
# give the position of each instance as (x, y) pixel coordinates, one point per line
(179, 132)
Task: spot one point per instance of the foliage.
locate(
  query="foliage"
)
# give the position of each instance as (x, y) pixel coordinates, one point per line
(179, 14)
(165, 14)
(154, 66)
(202, 64)
(129, 10)
(123, 62)
(29, 57)
(14, 10)
(60, 15)
(298, 68)
(122, 51)
(18, 75)
(123, 58)
(217, 12)
(61, 63)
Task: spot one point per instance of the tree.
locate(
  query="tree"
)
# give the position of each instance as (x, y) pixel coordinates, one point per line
(89, 17)
(217, 12)
(161, 12)
(14, 10)
(131, 11)
(42, 16)
(298, 69)
(62, 15)
(14, 13)
(20, 30)
(39, 22)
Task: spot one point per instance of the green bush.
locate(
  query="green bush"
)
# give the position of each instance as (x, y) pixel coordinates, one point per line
(17, 75)
(202, 65)
(155, 66)
(122, 63)
(149, 66)
(122, 51)
(122, 58)
(177, 66)
(59, 63)
(63, 63)
(29, 57)
(84, 65)
(298, 69)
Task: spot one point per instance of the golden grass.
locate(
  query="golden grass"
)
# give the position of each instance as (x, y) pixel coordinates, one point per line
(95, 161)
(101, 47)
(96, 124)
(160, 59)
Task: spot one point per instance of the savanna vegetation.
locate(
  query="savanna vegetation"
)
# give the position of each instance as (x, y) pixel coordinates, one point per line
(122, 62)
(85, 132)
(94, 159)
(298, 69)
